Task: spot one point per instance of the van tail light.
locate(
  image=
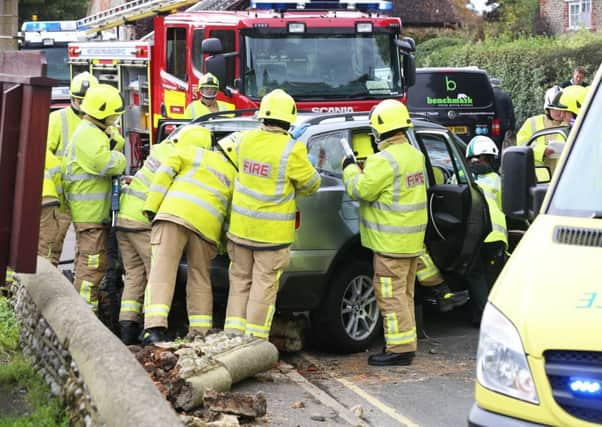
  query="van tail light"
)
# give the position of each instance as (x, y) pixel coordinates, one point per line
(297, 220)
(496, 129)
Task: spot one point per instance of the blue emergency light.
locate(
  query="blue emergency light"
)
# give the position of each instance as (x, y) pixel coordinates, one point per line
(363, 5)
(586, 387)
(48, 26)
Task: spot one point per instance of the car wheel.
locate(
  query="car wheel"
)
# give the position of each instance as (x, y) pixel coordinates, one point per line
(348, 319)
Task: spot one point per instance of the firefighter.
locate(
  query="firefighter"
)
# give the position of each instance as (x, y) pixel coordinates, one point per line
(429, 276)
(189, 201)
(92, 157)
(392, 194)
(61, 124)
(50, 242)
(134, 229)
(273, 169)
(550, 118)
(482, 153)
(569, 102)
(208, 88)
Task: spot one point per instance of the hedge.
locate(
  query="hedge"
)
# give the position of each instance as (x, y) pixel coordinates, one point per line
(527, 67)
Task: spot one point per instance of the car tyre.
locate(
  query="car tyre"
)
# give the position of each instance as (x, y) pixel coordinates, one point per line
(348, 319)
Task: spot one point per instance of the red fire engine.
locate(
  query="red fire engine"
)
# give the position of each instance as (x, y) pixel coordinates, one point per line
(338, 57)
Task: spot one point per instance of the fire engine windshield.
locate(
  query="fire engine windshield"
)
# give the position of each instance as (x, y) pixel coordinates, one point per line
(311, 66)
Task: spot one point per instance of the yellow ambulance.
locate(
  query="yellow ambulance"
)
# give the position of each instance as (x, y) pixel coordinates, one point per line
(539, 360)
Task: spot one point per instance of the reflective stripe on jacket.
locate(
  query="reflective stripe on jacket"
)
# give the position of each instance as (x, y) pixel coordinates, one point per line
(196, 185)
(88, 166)
(273, 169)
(392, 195)
(491, 184)
(196, 109)
(131, 203)
(532, 125)
(61, 125)
(52, 186)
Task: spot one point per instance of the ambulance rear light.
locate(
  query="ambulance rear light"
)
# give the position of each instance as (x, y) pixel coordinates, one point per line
(74, 51)
(296, 27)
(363, 27)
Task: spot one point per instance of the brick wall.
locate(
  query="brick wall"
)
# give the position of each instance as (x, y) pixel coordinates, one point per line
(556, 12)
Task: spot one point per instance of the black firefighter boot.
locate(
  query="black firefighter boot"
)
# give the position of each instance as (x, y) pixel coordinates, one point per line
(391, 359)
(154, 335)
(448, 300)
(129, 332)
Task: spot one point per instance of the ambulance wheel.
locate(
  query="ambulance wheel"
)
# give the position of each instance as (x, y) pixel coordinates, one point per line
(348, 319)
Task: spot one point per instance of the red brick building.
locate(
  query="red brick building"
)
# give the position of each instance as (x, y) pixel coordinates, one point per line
(571, 15)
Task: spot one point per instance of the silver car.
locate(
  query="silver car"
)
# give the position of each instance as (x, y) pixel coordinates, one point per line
(330, 273)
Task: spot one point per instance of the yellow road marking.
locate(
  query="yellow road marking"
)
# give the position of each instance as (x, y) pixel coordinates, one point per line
(377, 403)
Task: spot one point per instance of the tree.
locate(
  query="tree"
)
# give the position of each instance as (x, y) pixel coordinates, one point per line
(514, 16)
(49, 10)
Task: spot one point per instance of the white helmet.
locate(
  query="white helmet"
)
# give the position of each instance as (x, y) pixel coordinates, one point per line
(551, 94)
(481, 145)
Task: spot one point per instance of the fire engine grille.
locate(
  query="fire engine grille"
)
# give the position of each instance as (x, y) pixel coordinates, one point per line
(578, 236)
(563, 368)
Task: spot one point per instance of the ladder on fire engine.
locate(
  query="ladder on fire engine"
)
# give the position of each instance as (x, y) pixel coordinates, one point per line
(127, 13)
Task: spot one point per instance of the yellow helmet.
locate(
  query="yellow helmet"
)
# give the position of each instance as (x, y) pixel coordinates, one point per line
(102, 101)
(278, 105)
(81, 83)
(209, 80)
(570, 99)
(228, 146)
(389, 115)
(193, 136)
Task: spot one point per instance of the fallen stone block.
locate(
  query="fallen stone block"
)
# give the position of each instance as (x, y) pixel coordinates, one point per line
(241, 404)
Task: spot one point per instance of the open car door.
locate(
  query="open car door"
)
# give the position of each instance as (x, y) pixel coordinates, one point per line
(457, 210)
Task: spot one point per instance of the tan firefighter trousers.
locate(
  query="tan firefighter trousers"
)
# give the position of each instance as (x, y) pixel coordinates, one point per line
(427, 272)
(135, 251)
(394, 287)
(90, 261)
(168, 241)
(48, 244)
(254, 278)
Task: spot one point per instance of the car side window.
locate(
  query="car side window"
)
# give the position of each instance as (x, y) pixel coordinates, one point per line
(446, 163)
(326, 150)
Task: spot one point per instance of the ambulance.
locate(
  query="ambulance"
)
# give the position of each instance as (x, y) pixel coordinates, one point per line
(539, 360)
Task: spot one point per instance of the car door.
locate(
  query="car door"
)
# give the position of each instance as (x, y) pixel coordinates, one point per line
(458, 214)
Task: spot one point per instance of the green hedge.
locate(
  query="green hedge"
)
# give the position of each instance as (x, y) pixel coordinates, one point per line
(527, 67)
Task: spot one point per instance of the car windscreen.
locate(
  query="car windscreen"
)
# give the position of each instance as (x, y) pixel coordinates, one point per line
(453, 89)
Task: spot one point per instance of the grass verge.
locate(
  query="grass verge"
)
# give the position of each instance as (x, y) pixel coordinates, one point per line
(18, 378)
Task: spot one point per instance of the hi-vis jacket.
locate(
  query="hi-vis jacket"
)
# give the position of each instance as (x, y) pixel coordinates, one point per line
(61, 125)
(196, 185)
(197, 108)
(532, 125)
(131, 203)
(52, 187)
(88, 166)
(392, 194)
(491, 184)
(273, 169)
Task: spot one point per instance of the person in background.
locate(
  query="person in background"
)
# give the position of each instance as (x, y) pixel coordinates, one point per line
(188, 202)
(505, 112)
(391, 191)
(482, 153)
(577, 79)
(92, 158)
(53, 204)
(208, 103)
(551, 118)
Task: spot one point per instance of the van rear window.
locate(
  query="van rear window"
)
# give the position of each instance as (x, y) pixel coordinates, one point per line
(451, 89)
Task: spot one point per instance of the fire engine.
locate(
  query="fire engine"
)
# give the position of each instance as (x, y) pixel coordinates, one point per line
(330, 56)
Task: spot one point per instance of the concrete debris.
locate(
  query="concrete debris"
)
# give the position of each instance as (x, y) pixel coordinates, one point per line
(298, 405)
(357, 410)
(224, 420)
(288, 334)
(317, 417)
(190, 421)
(240, 404)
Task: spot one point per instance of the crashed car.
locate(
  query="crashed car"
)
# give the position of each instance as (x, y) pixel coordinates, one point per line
(330, 273)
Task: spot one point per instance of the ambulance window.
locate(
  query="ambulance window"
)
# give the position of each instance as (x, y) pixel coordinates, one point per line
(197, 55)
(228, 38)
(176, 52)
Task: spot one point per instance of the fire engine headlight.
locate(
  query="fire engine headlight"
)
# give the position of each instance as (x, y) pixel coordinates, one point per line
(501, 361)
(296, 27)
(363, 27)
